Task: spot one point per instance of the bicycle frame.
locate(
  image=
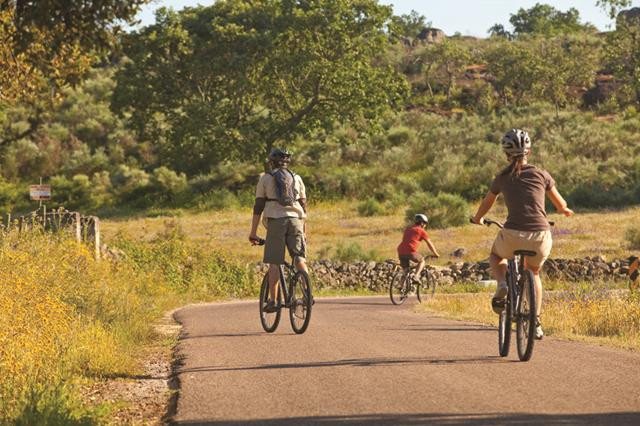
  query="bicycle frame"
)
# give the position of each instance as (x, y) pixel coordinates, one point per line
(282, 283)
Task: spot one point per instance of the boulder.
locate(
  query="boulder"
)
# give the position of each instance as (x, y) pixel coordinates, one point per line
(431, 35)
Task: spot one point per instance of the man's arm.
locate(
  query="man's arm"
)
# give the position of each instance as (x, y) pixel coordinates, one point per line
(258, 208)
(485, 206)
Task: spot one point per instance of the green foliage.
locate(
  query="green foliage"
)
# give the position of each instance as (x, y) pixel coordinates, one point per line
(547, 20)
(370, 207)
(231, 80)
(443, 210)
(632, 235)
(623, 57)
(408, 25)
(354, 252)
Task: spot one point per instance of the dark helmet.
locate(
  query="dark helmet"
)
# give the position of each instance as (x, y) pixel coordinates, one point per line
(279, 157)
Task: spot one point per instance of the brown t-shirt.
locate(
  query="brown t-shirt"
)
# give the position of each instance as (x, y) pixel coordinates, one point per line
(524, 197)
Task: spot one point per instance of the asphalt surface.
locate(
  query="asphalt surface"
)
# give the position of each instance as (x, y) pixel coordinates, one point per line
(365, 361)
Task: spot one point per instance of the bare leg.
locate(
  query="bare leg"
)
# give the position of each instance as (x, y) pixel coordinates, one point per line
(419, 268)
(301, 264)
(274, 277)
(498, 267)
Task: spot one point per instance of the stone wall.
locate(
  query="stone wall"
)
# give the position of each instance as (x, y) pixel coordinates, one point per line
(376, 276)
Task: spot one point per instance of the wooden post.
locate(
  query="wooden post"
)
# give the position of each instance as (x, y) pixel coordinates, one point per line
(96, 235)
(78, 226)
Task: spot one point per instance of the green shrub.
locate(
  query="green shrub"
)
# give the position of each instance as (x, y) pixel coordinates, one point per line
(370, 207)
(443, 210)
(632, 235)
(354, 252)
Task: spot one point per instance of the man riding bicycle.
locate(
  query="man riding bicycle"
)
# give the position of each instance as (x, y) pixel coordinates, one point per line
(524, 187)
(408, 248)
(281, 196)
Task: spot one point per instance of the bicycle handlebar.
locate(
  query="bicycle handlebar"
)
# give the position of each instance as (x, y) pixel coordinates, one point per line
(258, 242)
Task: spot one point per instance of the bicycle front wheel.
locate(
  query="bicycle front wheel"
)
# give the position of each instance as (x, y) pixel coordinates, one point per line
(526, 317)
(504, 331)
(269, 320)
(301, 302)
(398, 287)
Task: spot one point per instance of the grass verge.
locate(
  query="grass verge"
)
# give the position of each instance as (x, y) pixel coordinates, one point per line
(587, 312)
(68, 320)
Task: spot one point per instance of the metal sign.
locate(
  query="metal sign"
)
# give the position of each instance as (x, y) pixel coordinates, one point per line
(40, 192)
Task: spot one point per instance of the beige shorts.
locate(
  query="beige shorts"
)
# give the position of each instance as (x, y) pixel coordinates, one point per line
(510, 240)
(284, 232)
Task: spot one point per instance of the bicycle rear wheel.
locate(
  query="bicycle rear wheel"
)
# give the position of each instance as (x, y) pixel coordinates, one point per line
(269, 320)
(398, 287)
(526, 317)
(301, 302)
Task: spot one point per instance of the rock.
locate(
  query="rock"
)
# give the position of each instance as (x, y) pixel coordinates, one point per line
(431, 35)
(632, 16)
(459, 252)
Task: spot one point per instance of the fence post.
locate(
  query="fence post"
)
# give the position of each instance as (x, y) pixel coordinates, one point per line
(78, 226)
(96, 235)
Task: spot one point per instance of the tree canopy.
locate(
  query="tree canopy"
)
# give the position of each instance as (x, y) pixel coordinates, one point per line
(232, 79)
(542, 19)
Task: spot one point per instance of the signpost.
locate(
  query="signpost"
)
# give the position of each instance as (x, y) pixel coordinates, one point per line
(40, 192)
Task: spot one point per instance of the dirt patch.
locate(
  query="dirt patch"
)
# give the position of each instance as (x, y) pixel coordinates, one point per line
(141, 399)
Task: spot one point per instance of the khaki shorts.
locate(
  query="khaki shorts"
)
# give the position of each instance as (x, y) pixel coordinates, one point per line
(284, 232)
(510, 240)
(407, 259)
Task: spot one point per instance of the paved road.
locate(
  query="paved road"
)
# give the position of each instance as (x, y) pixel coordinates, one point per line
(364, 361)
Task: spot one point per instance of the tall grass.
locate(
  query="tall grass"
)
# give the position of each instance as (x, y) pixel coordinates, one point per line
(67, 318)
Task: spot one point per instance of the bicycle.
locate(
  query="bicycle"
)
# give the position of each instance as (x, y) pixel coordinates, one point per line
(520, 304)
(297, 298)
(402, 285)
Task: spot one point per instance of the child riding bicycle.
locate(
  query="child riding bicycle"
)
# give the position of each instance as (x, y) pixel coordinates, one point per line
(408, 248)
(524, 187)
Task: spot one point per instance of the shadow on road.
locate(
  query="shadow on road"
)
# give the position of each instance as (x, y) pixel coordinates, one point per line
(625, 418)
(357, 362)
(205, 336)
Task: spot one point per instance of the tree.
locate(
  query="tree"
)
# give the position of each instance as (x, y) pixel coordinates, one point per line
(443, 62)
(543, 19)
(623, 56)
(231, 80)
(613, 6)
(567, 66)
(408, 25)
(47, 45)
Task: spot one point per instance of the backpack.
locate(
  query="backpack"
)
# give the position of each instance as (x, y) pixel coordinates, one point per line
(285, 187)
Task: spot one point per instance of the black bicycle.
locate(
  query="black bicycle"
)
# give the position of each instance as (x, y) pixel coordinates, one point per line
(520, 305)
(296, 297)
(402, 285)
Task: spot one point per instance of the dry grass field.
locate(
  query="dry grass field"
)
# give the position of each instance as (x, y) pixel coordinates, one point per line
(330, 225)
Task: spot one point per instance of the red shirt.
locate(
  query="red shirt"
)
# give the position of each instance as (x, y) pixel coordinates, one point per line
(411, 239)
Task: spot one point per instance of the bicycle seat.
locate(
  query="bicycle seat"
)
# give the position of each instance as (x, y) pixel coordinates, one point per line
(524, 253)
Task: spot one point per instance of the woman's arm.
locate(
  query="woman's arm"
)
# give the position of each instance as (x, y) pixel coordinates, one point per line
(485, 206)
(558, 202)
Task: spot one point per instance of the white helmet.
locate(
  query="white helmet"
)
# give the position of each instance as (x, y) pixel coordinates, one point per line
(516, 143)
(421, 218)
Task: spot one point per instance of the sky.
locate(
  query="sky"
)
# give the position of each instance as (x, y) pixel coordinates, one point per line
(469, 17)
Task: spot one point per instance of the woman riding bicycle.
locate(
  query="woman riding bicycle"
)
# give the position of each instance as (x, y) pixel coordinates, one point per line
(524, 187)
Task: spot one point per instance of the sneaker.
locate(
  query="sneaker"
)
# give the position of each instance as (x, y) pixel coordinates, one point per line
(498, 302)
(539, 332)
(415, 279)
(271, 307)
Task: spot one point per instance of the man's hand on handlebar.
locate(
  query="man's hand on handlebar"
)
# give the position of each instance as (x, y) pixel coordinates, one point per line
(477, 220)
(255, 240)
